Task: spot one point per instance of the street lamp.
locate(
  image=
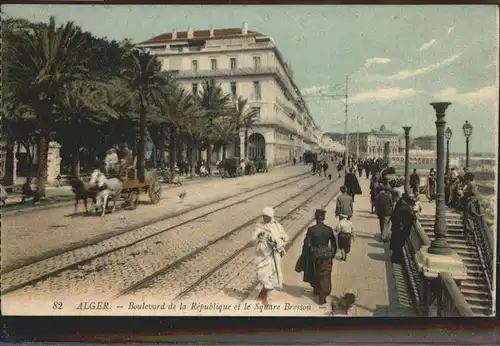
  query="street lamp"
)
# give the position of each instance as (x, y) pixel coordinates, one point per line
(407, 157)
(439, 246)
(467, 128)
(447, 134)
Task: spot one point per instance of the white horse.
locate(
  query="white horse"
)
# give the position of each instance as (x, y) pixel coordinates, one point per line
(111, 189)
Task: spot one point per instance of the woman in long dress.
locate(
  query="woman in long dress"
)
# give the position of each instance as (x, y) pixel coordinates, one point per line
(270, 239)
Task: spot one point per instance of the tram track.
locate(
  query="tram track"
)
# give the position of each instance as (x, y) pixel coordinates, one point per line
(6, 269)
(226, 247)
(52, 266)
(244, 256)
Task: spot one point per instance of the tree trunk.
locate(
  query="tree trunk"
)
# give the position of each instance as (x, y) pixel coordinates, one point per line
(173, 148)
(76, 152)
(246, 142)
(194, 152)
(142, 142)
(224, 149)
(43, 153)
(8, 178)
(209, 155)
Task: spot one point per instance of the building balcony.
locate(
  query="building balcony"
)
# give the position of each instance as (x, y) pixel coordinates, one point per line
(238, 72)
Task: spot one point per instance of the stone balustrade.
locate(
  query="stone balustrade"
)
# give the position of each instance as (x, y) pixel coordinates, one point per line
(440, 296)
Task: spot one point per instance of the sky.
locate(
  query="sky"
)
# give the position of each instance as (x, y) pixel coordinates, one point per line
(398, 58)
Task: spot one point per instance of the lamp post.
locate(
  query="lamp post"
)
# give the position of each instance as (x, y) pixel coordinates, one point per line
(467, 128)
(439, 246)
(407, 157)
(448, 133)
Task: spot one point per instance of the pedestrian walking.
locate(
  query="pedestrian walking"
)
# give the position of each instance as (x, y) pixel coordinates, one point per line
(344, 231)
(270, 239)
(414, 182)
(360, 168)
(402, 221)
(316, 260)
(374, 185)
(325, 167)
(294, 161)
(384, 205)
(351, 183)
(344, 204)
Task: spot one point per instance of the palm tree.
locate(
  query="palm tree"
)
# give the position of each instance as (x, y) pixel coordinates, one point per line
(216, 104)
(146, 84)
(177, 109)
(39, 62)
(78, 106)
(226, 131)
(245, 118)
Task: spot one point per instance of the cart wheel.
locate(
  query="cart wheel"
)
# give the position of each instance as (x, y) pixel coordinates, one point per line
(133, 200)
(154, 191)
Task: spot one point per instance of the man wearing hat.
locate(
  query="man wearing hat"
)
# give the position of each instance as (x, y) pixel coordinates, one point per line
(320, 247)
(384, 205)
(402, 220)
(270, 239)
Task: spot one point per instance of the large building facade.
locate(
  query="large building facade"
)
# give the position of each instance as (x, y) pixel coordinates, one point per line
(245, 63)
(371, 144)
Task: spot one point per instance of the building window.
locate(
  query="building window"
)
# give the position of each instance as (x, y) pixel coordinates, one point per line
(256, 111)
(234, 65)
(194, 64)
(256, 62)
(213, 63)
(194, 88)
(256, 90)
(233, 89)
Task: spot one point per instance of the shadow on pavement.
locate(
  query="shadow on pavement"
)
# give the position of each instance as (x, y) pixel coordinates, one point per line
(299, 292)
(377, 256)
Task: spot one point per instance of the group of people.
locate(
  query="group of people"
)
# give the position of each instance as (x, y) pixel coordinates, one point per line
(320, 246)
(316, 259)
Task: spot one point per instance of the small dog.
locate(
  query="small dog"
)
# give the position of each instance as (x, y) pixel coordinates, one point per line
(82, 193)
(342, 305)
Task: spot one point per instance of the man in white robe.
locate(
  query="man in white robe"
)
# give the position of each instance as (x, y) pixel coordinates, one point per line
(270, 238)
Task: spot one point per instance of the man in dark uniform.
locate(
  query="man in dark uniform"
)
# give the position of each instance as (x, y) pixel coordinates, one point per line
(319, 249)
(414, 182)
(352, 185)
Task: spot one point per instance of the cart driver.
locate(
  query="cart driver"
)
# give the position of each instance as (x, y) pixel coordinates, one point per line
(127, 162)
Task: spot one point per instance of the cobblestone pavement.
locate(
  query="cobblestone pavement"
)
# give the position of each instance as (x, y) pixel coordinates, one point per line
(38, 233)
(107, 275)
(190, 275)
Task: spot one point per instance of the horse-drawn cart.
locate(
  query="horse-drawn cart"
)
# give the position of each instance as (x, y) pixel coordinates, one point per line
(132, 188)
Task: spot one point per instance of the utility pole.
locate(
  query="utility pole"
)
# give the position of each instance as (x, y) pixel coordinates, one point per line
(337, 96)
(346, 153)
(357, 138)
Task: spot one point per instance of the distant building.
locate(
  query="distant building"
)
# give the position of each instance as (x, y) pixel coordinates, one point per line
(424, 142)
(371, 144)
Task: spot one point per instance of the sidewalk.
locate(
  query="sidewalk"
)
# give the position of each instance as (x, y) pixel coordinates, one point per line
(63, 194)
(379, 285)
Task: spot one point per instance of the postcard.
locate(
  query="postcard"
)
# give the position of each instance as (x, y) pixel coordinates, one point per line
(249, 161)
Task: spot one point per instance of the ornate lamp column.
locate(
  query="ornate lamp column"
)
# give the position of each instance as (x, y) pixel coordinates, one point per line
(407, 157)
(437, 257)
(467, 128)
(439, 245)
(448, 133)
